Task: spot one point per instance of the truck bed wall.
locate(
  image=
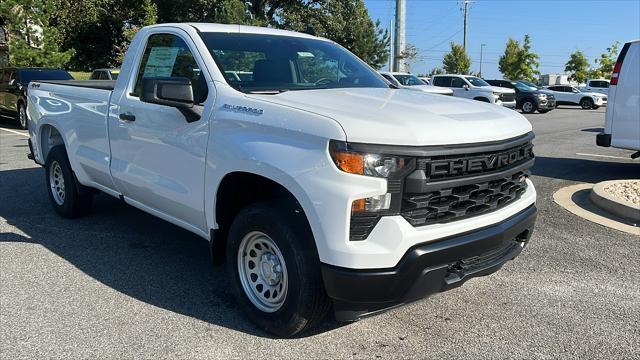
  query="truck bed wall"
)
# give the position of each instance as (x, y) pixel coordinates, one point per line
(80, 115)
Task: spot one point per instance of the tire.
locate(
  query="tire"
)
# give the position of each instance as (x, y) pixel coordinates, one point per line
(586, 103)
(594, 107)
(21, 117)
(529, 107)
(68, 198)
(292, 282)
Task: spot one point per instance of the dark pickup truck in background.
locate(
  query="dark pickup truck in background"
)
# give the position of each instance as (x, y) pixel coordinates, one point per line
(13, 87)
(528, 98)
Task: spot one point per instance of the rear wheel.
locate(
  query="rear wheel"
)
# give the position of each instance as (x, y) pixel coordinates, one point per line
(275, 268)
(21, 117)
(528, 107)
(586, 103)
(68, 198)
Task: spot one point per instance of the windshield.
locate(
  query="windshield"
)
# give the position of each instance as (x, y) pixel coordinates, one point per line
(27, 76)
(529, 84)
(258, 62)
(408, 79)
(522, 86)
(476, 81)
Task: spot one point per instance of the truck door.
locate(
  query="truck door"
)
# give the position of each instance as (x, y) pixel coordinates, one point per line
(157, 157)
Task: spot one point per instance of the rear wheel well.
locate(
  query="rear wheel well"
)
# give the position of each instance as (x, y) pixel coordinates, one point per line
(49, 137)
(236, 191)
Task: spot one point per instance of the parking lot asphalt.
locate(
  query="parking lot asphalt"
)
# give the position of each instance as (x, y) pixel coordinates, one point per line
(122, 284)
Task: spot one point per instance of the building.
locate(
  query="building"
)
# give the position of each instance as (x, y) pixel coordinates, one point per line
(554, 79)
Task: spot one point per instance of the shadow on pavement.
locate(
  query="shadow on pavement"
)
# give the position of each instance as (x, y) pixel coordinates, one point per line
(128, 250)
(593, 130)
(584, 170)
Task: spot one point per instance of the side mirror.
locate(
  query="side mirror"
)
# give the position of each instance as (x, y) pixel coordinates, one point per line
(466, 87)
(171, 91)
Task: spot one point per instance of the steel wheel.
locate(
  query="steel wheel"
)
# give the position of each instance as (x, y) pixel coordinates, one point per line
(262, 271)
(56, 182)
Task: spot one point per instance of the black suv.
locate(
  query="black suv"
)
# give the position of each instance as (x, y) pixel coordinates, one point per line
(529, 98)
(13, 89)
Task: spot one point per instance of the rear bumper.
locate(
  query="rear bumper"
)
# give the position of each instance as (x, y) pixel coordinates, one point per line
(427, 269)
(603, 139)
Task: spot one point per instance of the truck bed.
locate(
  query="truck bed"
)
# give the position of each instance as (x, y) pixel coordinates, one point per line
(92, 84)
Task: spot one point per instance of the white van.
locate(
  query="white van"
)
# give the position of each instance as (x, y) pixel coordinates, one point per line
(622, 120)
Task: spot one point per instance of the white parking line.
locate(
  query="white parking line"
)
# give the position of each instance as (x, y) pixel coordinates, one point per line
(604, 156)
(15, 132)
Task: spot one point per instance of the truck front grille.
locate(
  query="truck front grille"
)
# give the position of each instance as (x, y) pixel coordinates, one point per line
(507, 97)
(451, 183)
(456, 203)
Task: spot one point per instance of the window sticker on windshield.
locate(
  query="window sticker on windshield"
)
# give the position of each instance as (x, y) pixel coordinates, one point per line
(161, 61)
(305, 54)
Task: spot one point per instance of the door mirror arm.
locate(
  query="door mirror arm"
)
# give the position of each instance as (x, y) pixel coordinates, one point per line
(175, 92)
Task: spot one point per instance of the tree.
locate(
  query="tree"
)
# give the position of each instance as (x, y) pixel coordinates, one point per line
(606, 62)
(457, 61)
(346, 22)
(578, 66)
(100, 30)
(409, 55)
(435, 71)
(518, 62)
(32, 42)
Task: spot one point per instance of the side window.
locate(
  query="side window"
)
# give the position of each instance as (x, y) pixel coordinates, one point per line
(439, 81)
(457, 82)
(167, 55)
(94, 76)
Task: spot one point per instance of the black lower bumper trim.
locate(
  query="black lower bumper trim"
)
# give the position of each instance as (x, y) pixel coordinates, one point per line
(603, 139)
(428, 268)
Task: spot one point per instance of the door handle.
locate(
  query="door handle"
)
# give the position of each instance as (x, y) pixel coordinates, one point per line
(127, 117)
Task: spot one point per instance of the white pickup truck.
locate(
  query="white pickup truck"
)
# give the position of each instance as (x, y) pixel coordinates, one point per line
(319, 185)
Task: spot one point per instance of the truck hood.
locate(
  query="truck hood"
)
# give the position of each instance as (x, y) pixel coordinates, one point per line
(430, 89)
(401, 117)
(496, 89)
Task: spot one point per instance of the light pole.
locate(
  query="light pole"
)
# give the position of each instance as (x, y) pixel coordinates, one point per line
(481, 46)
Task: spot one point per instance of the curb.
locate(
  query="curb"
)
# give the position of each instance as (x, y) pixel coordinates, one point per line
(575, 199)
(612, 204)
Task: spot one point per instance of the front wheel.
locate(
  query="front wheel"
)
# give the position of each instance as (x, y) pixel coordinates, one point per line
(528, 107)
(586, 103)
(21, 117)
(275, 269)
(68, 198)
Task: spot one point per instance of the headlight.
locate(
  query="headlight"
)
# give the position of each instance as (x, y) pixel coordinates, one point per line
(542, 96)
(496, 94)
(389, 167)
(352, 162)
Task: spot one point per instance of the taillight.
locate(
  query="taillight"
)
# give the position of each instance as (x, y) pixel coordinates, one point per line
(616, 73)
(616, 69)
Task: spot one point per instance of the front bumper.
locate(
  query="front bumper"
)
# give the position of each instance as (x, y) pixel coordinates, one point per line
(428, 268)
(507, 104)
(547, 105)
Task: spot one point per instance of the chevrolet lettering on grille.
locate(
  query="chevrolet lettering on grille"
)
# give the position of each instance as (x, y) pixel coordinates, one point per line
(480, 163)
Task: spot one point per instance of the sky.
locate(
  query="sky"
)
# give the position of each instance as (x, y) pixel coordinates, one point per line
(557, 28)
